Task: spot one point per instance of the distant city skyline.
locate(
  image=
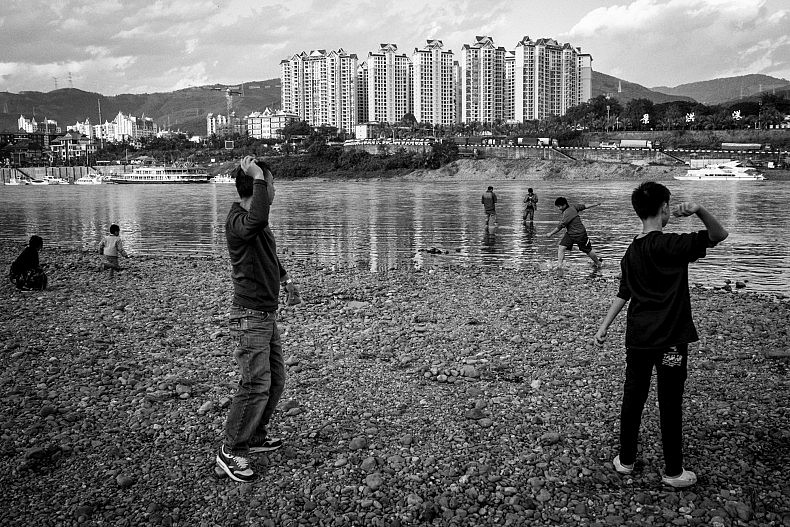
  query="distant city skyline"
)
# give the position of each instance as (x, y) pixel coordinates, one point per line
(135, 46)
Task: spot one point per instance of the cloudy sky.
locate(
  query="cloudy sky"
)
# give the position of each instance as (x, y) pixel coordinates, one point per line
(134, 46)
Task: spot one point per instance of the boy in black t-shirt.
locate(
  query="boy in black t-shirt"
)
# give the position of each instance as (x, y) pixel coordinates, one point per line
(659, 326)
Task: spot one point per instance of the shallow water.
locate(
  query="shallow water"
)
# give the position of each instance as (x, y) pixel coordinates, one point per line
(385, 224)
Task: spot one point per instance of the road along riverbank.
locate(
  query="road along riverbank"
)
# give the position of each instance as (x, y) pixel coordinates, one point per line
(454, 394)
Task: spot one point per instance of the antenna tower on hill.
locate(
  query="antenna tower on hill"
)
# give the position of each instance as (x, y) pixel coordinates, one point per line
(71, 84)
(56, 82)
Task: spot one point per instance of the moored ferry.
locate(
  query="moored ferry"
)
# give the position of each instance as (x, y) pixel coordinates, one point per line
(731, 171)
(162, 175)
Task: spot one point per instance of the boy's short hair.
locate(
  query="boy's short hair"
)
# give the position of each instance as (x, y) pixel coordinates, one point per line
(560, 202)
(244, 182)
(648, 197)
(36, 242)
(114, 229)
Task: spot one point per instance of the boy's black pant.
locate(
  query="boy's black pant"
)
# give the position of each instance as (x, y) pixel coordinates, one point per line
(671, 369)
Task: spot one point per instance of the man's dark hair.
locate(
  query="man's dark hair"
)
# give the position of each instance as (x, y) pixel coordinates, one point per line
(648, 197)
(114, 229)
(560, 202)
(36, 242)
(529, 189)
(244, 182)
(490, 188)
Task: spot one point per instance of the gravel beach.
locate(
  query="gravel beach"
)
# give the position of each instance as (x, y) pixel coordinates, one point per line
(448, 396)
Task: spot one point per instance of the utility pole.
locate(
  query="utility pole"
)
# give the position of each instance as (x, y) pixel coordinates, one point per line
(101, 133)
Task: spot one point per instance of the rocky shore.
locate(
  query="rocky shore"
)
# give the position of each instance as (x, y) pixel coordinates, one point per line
(449, 396)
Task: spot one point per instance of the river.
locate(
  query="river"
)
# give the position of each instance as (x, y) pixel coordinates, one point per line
(385, 224)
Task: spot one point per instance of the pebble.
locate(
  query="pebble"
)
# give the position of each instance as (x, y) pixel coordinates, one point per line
(376, 443)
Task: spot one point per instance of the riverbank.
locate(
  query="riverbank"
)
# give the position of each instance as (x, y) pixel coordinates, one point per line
(455, 394)
(494, 169)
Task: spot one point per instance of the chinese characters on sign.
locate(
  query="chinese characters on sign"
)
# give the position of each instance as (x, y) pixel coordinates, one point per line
(645, 118)
(736, 115)
(690, 117)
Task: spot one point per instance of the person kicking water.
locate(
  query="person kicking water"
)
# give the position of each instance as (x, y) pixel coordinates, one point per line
(575, 232)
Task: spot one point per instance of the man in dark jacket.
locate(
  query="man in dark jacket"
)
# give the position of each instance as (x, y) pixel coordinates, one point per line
(257, 276)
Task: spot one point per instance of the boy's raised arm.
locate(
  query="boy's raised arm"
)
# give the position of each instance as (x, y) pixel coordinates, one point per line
(716, 232)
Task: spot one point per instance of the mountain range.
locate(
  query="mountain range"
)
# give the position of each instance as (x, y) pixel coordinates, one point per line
(186, 109)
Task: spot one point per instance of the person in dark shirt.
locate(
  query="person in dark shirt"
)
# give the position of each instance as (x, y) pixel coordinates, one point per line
(489, 204)
(257, 276)
(26, 273)
(575, 232)
(530, 204)
(659, 325)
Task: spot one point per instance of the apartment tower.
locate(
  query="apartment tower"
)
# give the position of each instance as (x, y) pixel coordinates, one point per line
(388, 84)
(482, 81)
(320, 87)
(549, 78)
(434, 84)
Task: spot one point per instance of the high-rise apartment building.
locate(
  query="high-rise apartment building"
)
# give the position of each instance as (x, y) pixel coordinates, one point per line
(362, 93)
(434, 84)
(388, 84)
(320, 88)
(482, 81)
(509, 110)
(549, 78)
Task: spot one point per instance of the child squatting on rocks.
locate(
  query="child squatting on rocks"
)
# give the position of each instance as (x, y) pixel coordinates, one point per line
(110, 247)
(659, 325)
(26, 273)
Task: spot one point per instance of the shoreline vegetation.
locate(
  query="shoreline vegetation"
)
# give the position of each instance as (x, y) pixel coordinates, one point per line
(455, 395)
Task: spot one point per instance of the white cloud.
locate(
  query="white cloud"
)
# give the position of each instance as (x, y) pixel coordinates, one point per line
(670, 42)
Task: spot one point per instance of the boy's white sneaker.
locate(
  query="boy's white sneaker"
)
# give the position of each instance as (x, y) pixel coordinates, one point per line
(620, 468)
(686, 479)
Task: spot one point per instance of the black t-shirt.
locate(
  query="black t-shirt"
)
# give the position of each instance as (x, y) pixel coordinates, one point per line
(26, 261)
(655, 280)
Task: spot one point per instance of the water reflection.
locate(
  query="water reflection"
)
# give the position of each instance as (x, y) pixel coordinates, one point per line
(382, 225)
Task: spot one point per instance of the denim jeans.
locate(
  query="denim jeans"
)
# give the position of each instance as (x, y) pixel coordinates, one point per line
(259, 355)
(671, 372)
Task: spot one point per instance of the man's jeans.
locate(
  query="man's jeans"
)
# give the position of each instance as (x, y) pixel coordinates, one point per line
(671, 373)
(260, 358)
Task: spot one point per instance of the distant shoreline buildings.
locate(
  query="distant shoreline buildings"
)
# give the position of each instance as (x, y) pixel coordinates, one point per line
(488, 84)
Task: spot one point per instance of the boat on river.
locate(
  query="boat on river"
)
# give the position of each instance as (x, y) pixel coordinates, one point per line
(88, 179)
(731, 171)
(223, 178)
(162, 175)
(20, 181)
(52, 180)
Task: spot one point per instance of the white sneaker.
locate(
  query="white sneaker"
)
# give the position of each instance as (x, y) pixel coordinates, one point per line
(686, 479)
(620, 468)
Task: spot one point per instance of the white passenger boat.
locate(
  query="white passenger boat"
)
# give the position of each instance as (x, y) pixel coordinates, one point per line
(731, 171)
(162, 175)
(14, 181)
(223, 178)
(88, 179)
(52, 180)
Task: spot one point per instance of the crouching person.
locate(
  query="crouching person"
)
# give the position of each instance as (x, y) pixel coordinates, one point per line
(26, 272)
